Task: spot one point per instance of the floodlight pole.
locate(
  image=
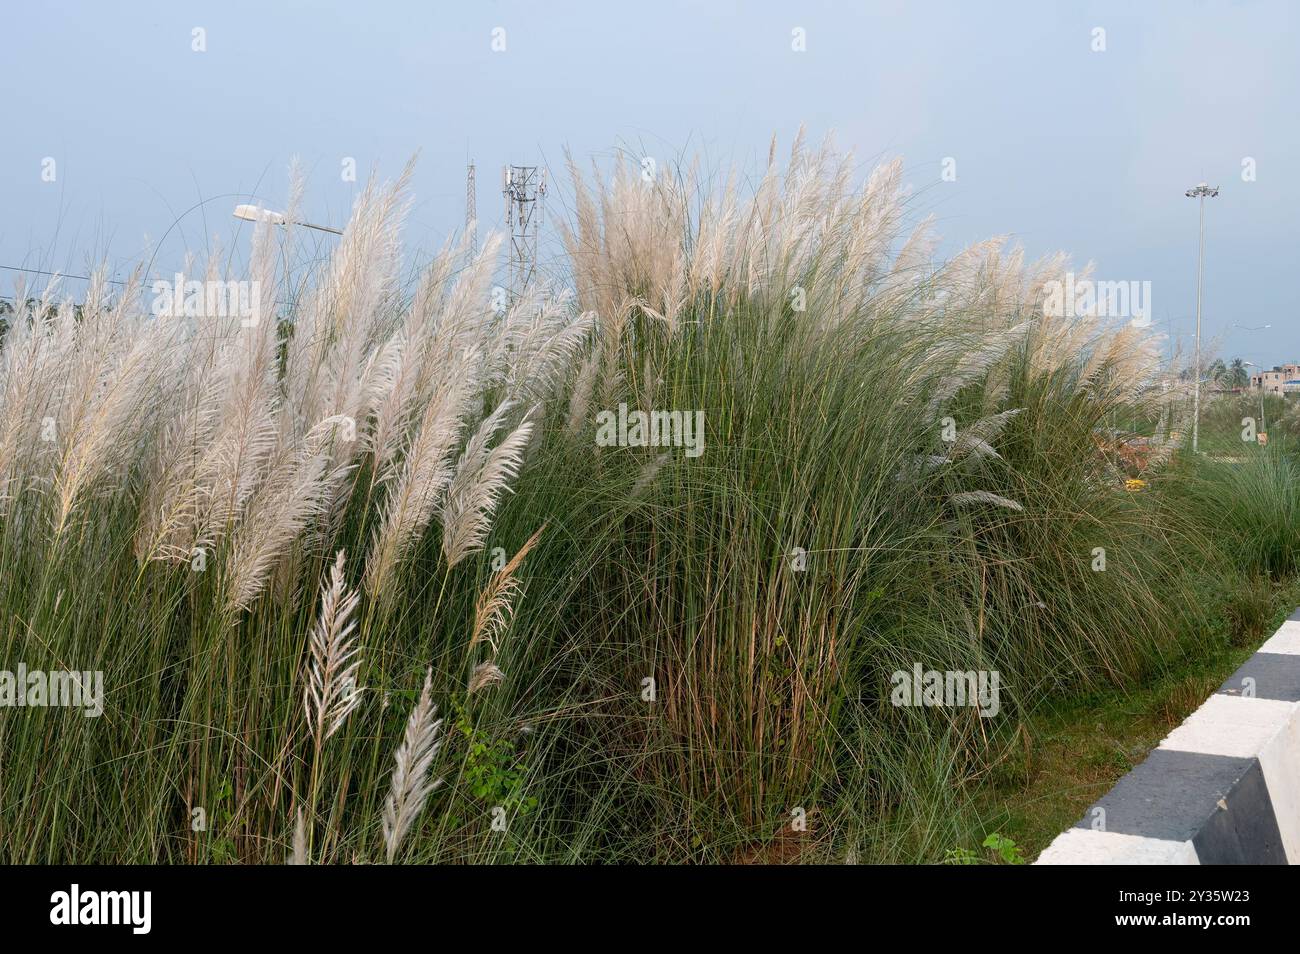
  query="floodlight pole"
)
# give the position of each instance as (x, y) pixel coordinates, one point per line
(1201, 191)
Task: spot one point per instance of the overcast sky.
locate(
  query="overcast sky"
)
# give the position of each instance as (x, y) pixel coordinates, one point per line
(1056, 144)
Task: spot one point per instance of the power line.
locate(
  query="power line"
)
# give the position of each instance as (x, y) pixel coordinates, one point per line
(41, 271)
(83, 278)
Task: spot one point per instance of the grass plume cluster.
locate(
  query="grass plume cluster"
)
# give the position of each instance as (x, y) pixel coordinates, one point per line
(640, 656)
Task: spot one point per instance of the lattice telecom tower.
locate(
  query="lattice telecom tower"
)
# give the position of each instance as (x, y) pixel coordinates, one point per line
(524, 188)
(471, 211)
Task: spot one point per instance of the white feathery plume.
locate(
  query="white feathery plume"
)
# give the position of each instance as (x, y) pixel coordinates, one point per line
(539, 351)
(247, 415)
(991, 349)
(584, 386)
(196, 426)
(296, 491)
(392, 381)
(984, 497)
(495, 603)
(425, 474)
(485, 674)
(34, 354)
(647, 476)
(331, 691)
(107, 435)
(412, 763)
(299, 856)
(436, 342)
(976, 439)
(481, 477)
(341, 318)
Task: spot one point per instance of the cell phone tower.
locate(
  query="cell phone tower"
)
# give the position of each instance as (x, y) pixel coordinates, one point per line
(524, 188)
(471, 210)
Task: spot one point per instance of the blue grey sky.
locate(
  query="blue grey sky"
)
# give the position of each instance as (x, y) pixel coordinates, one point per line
(1056, 144)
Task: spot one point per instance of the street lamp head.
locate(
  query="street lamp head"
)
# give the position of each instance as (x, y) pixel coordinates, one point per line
(255, 213)
(1201, 190)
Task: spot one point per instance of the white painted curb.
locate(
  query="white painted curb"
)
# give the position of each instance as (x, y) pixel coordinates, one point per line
(1222, 788)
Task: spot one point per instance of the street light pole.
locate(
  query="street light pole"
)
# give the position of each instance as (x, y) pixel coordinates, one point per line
(1250, 364)
(1263, 424)
(1201, 191)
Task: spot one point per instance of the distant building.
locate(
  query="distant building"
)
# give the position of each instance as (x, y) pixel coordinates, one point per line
(1282, 379)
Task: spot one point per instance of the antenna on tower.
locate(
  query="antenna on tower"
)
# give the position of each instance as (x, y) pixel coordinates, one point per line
(524, 189)
(471, 211)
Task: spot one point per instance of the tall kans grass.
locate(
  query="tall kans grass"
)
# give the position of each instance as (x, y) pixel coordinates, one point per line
(365, 587)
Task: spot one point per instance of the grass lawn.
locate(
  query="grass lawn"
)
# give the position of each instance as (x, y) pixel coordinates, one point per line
(1077, 749)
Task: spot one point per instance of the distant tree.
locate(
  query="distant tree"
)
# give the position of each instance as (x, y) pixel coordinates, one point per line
(1238, 376)
(1217, 371)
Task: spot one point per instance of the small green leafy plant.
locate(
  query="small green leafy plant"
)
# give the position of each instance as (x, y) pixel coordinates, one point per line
(1008, 850)
(492, 769)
